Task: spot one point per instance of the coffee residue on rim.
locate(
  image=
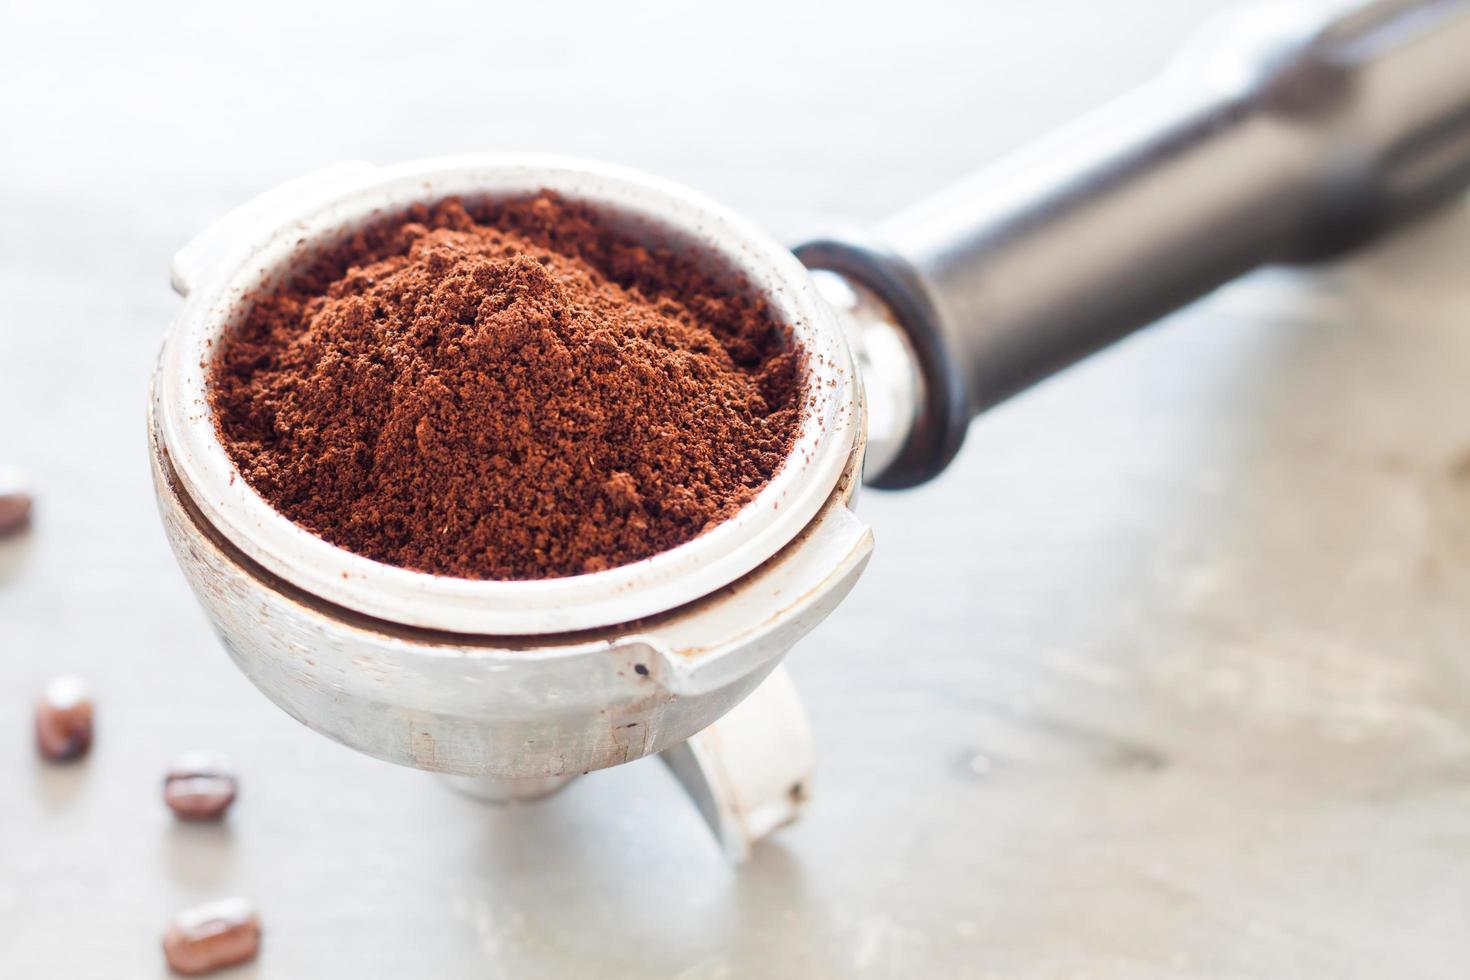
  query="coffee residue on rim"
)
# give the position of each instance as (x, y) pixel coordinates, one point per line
(513, 390)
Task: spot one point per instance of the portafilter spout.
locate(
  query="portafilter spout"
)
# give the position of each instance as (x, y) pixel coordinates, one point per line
(1280, 133)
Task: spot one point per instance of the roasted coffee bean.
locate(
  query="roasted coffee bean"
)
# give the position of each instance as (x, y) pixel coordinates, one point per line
(64, 720)
(200, 786)
(15, 503)
(209, 937)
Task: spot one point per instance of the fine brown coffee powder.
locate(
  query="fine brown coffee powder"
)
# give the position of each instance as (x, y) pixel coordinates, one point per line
(510, 390)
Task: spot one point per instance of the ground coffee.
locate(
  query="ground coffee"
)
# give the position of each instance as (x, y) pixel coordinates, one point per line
(507, 391)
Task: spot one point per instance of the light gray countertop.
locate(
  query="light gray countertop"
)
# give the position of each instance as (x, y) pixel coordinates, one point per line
(1166, 677)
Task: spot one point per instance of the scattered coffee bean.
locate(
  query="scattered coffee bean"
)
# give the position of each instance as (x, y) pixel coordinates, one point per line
(15, 502)
(209, 937)
(200, 786)
(64, 720)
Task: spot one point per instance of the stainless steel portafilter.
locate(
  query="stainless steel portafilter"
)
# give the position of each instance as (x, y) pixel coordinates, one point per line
(1281, 133)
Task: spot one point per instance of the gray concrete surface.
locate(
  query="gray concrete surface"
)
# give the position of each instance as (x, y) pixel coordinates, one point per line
(1167, 677)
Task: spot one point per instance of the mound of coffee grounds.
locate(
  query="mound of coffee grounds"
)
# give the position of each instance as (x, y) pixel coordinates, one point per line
(507, 391)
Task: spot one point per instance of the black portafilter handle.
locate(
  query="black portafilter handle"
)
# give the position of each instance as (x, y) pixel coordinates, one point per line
(1280, 133)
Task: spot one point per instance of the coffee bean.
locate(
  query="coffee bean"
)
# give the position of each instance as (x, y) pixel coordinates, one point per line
(64, 720)
(200, 786)
(15, 502)
(209, 937)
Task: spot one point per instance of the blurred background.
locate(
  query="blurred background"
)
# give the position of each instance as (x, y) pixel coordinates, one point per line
(1165, 677)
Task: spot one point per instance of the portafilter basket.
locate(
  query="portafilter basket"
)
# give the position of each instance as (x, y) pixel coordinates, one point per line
(511, 680)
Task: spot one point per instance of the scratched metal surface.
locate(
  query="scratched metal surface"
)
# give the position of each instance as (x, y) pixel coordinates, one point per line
(1167, 677)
